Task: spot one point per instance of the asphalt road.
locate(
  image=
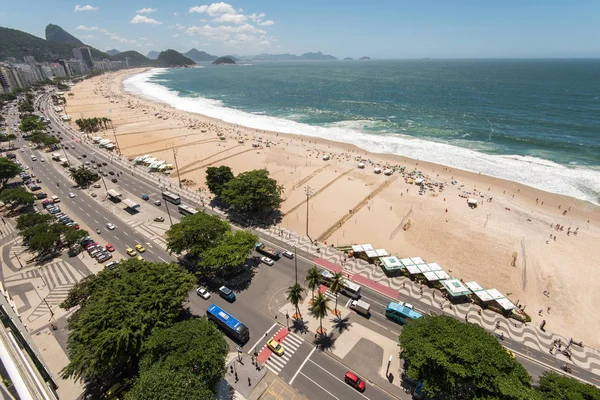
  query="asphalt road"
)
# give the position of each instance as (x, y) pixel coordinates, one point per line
(268, 283)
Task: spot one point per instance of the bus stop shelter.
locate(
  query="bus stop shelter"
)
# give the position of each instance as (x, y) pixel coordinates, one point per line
(131, 204)
(114, 195)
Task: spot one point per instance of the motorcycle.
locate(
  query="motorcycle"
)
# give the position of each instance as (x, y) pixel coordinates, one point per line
(567, 369)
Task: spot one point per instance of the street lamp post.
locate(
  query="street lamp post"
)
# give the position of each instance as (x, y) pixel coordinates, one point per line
(308, 192)
(176, 166)
(168, 212)
(115, 135)
(296, 261)
(18, 259)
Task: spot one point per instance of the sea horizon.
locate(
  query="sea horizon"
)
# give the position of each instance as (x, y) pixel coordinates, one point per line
(470, 114)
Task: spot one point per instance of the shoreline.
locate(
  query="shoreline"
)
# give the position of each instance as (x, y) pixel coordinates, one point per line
(470, 244)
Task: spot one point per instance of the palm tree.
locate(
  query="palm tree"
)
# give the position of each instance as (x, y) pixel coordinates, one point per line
(336, 284)
(320, 308)
(313, 277)
(81, 175)
(294, 296)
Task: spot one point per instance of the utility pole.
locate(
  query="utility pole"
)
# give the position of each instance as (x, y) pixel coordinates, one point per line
(115, 135)
(309, 193)
(296, 261)
(167, 207)
(15, 254)
(176, 166)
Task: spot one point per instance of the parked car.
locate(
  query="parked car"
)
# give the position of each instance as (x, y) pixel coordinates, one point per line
(110, 247)
(202, 292)
(288, 254)
(112, 264)
(267, 261)
(354, 381)
(97, 185)
(227, 294)
(159, 219)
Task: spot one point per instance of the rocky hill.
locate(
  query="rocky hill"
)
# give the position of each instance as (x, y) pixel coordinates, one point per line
(365, 58)
(135, 59)
(224, 60)
(199, 56)
(57, 34)
(153, 55)
(112, 52)
(172, 58)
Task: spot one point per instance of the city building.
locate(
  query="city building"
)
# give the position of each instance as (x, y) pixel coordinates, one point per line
(83, 53)
(10, 79)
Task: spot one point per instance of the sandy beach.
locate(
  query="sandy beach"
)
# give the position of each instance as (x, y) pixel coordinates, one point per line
(556, 271)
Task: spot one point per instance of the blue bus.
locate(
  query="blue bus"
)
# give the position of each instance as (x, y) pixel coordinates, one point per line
(399, 313)
(228, 323)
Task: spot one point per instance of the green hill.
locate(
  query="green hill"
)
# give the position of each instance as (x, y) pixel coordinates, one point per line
(199, 55)
(135, 58)
(172, 58)
(112, 52)
(57, 34)
(18, 44)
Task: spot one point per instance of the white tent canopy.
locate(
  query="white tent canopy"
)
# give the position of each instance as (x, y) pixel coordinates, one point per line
(407, 261)
(474, 286)
(417, 260)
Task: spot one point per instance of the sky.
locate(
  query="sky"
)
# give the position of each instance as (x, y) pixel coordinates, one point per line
(376, 28)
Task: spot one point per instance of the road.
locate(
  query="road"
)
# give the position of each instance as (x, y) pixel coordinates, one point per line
(306, 368)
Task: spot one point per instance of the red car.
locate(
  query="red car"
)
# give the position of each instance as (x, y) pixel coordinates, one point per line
(109, 247)
(87, 246)
(355, 381)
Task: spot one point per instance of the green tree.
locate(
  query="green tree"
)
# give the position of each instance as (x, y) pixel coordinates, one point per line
(162, 384)
(117, 311)
(30, 219)
(313, 278)
(229, 254)
(194, 345)
(196, 233)
(320, 309)
(82, 176)
(295, 296)
(49, 141)
(32, 124)
(73, 236)
(336, 285)
(17, 196)
(553, 386)
(10, 137)
(462, 361)
(217, 178)
(252, 191)
(8, 170)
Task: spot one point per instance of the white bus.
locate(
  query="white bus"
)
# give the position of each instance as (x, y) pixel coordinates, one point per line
(171, 197)
(351, 289)
(187, 210)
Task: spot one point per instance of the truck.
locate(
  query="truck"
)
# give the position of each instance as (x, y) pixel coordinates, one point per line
(267, 251)
(360, 306)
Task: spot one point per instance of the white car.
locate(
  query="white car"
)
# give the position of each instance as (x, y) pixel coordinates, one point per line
(407, 305)
(71, 195)
(42, 159)
(288, 254)
(267, 261)
(110, 226)
(202, 292)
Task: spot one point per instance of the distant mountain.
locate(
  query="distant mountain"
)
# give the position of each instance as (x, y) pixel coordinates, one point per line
(234, 58)
(365, 58)
(316, 56)
(135, 58)
(18, 44)
(199, 56)
(112, 52)
(57, 34)
(153, 55)
(348, 59)
(291, 57)
(172, 58)
(224, 60)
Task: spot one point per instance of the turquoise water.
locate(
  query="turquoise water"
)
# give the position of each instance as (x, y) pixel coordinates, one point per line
(532, 121)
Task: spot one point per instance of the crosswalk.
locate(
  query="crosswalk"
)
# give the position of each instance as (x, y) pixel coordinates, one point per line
(290, 343)
(7, 228)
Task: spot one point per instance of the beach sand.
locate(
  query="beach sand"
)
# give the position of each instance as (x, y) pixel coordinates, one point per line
(472, 244)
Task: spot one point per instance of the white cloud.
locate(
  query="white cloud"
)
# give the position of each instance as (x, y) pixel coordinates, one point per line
(268, 22)
(215, 9)
(256, 17)
(86, 28)
(86, 36)
(176, 14)
(122, 40)
(231, 19)
(86, 8)
(175, 35)
(142, 19)
(146, 10)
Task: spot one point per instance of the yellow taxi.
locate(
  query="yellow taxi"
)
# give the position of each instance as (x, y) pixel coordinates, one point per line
(510, 353)
(130, 251)
(140, 258)
(140, 248)
(275, 347)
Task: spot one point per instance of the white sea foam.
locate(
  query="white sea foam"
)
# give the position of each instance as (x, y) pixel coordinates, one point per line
(579, 182)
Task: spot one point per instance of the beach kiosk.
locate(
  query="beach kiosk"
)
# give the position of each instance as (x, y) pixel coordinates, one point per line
(361, 165)
(457, 291)
(391, 266)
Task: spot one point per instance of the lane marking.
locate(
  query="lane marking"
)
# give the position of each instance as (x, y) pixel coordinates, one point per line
(337, 378)
(322, 388)
(302, 365)
(266, 334)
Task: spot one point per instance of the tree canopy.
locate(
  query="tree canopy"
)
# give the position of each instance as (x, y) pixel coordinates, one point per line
(32, 124)
(83, 176)
(252, 191)
(162, 384)
(8, 170)
(118, 310)
(18, 196)
(210, 242)
(462, 361)
(217, 177)
(28, 220)
(553, 386)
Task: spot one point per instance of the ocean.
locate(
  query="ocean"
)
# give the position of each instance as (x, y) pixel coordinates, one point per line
(536, 122)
